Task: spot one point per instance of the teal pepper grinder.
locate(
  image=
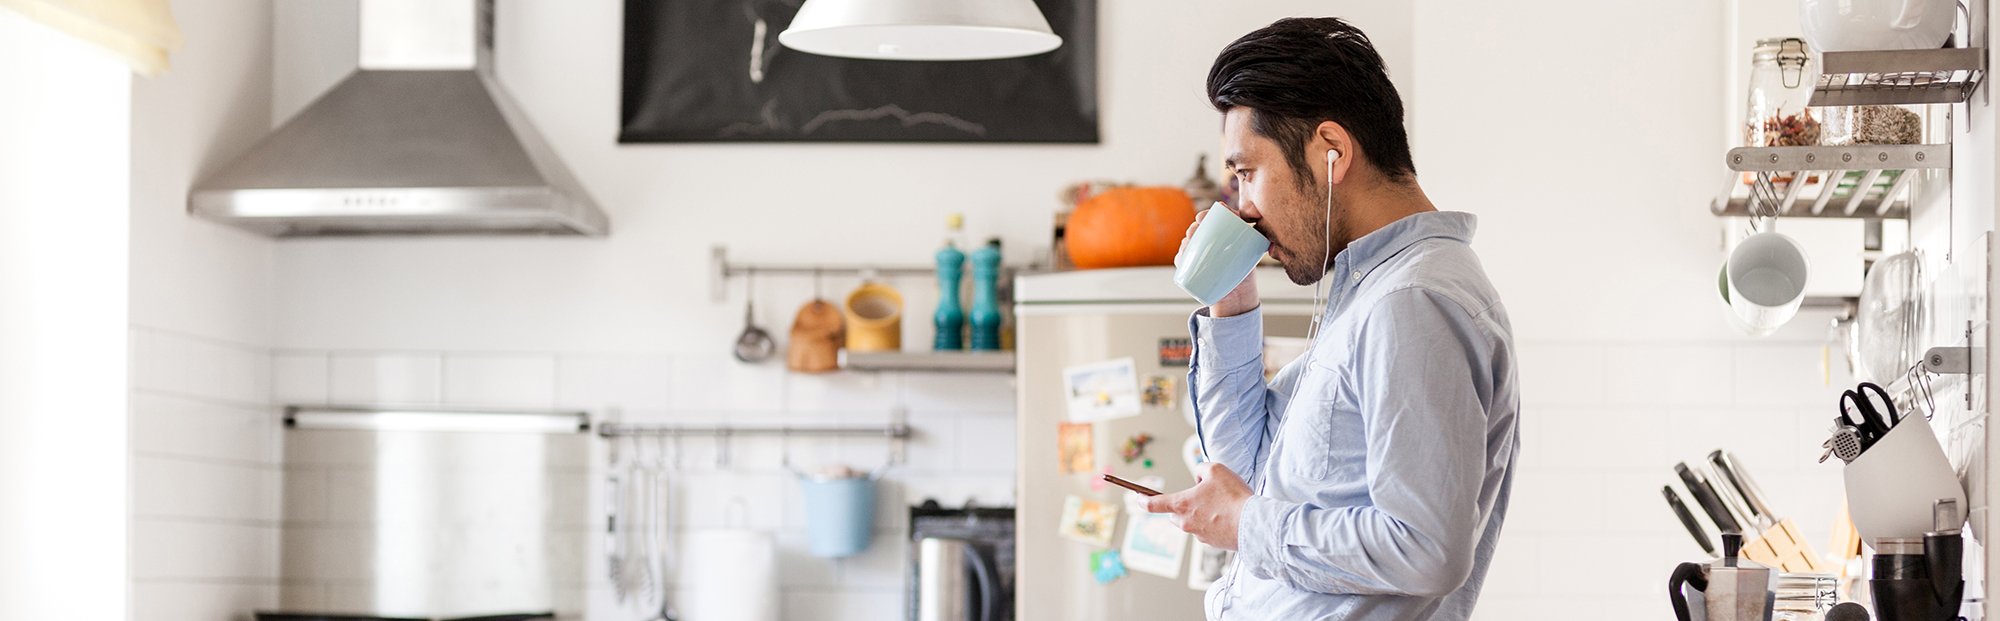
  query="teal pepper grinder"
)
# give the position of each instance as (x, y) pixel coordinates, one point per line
(985, 300)
(950, 317)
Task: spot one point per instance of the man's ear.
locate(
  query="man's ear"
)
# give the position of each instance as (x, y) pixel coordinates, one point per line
(1330, 138)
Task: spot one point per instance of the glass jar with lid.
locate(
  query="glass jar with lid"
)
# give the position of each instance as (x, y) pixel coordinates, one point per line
(1782, 76)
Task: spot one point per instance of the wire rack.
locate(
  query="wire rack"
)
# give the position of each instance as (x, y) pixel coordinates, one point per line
(1897, 77)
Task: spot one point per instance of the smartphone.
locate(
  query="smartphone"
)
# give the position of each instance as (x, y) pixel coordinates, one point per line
(1143, 490)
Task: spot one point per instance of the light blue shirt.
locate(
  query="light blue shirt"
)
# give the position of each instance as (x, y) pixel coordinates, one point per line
(1381, 460)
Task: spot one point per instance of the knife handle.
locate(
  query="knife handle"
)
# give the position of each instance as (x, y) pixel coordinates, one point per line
(1687, 519)
(1704, 495)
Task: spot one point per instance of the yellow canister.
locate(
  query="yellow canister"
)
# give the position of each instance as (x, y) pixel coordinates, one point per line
(874, 314)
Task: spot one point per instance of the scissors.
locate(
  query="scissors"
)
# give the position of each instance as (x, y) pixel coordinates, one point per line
(1873, 425)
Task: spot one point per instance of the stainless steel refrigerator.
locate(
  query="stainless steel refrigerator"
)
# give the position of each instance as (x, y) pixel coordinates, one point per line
(1065, 324)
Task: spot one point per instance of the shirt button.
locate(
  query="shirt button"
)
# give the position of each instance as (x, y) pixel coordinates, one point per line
(1357, 276)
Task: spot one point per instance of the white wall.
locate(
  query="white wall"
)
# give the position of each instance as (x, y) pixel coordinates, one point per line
(1591, 147)
(627, 322)
(63, 230)
(1588, 149)
(204, 435)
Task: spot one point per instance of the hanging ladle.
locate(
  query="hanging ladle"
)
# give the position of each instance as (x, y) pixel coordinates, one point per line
(754, 345)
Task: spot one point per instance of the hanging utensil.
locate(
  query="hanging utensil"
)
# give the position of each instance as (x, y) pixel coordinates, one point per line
(662, 533)
(754, 345)
(1845, 443)
(614, 552)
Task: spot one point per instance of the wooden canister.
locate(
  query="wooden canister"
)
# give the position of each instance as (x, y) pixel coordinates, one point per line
(874, 313)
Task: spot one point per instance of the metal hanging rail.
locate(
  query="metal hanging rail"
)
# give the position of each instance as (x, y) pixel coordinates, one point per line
(895, 431)
(721, 270)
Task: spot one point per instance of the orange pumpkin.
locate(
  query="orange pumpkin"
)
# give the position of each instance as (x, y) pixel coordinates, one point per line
(1127, 227)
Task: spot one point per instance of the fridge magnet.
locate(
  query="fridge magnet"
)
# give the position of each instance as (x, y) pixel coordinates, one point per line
(1107, 566)
(1191, 453)
(1073, 448)
(1155, 543)
(1088, 521)
(1102, 391)
(1135, 447)
(1206, 565)
(1158, 392)
(1176, 352)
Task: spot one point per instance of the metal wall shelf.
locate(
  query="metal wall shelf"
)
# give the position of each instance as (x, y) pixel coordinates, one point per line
(957, 361)
(1899, 77)
(1862, 181)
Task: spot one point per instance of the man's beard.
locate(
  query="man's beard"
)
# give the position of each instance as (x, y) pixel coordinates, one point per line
(1307, 267)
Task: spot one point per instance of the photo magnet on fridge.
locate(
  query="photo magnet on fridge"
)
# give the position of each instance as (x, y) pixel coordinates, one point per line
(1102, 390)
(1075, 450)
(1088, 521)
(1153, 542)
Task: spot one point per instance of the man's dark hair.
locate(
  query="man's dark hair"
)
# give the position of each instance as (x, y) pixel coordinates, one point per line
(1299, 72)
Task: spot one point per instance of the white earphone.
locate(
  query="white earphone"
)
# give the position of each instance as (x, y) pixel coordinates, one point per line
(1331, 157)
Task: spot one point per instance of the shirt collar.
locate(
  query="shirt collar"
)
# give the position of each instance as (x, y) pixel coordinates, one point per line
(1365, 254)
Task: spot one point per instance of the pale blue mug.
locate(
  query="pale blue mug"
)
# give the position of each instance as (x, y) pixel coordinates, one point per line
(1218, 256)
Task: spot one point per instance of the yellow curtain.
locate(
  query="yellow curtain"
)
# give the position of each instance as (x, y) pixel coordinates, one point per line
(141, 31)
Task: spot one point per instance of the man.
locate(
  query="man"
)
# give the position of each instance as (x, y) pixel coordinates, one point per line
(1382, 458)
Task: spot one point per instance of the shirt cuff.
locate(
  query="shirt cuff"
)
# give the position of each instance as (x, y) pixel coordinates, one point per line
(1260, 538)
(1227, 342)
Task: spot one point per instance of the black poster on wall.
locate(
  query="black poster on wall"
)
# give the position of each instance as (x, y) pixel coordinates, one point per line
(713, 71)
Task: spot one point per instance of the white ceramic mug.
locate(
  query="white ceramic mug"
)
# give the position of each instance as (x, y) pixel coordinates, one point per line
(1218, 256)
(1766, 277)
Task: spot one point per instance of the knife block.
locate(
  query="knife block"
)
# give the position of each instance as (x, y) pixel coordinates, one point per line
(1892, 487)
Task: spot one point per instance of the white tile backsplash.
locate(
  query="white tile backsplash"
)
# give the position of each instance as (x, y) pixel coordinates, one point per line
(165, 487)
(958, 392)
(842, 392)
(300, 378)
(986, 443)
(630, 382)
(172, 600)
(172, 425)
(720, 383)
(205, 477)
(179, 550)
(1669, 375)
(412, 379)
(1602, 426)
(527, 381)
(1788, 374)
(1561, 374)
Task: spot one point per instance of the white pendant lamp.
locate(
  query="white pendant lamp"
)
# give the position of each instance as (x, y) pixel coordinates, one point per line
(920, 29)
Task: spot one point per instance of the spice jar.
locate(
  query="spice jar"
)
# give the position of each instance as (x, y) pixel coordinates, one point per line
(1782, 76)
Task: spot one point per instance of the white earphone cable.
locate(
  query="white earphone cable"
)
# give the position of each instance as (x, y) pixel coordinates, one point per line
(1326, 259)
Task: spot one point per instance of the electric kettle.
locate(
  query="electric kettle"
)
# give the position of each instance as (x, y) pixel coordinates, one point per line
(956, 581)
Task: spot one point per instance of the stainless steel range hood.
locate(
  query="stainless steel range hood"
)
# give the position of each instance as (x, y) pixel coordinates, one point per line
(420, 139)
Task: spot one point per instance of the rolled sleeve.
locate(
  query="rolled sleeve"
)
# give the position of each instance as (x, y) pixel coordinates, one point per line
(1223, 343)
(1232, 403)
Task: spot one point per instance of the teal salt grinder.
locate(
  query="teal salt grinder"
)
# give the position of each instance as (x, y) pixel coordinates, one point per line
(950, 318)
(985, 300)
